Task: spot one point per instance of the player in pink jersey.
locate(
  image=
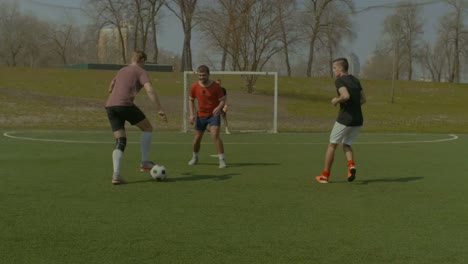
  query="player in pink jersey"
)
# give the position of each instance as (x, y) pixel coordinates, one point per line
(120, 108)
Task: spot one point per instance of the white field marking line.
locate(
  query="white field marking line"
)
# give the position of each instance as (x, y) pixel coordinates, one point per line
(9, 135)
(451, 137)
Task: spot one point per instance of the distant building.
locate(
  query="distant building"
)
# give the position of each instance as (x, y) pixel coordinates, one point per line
(354, 65)
(109, 44)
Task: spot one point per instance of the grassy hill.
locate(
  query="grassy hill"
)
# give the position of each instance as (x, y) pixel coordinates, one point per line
(52, 98)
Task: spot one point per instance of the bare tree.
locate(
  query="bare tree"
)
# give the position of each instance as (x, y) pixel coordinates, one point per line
(13, 31)
(262, 36)
(220, 22)
(89, 42)
(410, 14)
(379, 65)
(260, 39)
(26, 40)
(315, 24)
(433, 60)
(393, 29)
(445, 45)
(338, 27)
(285, 11)
(247, 32)
(114, 13)
(62, 38)
(36, 42)
(185, 11)
(456, 30)
(155, 6)
(145, 23)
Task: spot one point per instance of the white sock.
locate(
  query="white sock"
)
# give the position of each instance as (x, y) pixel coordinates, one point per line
(221, 156)
(195, 155)
(145, 146)
(117, 155)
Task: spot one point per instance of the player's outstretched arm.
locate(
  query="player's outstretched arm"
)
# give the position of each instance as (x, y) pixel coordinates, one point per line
(111, 86)
(153, 96)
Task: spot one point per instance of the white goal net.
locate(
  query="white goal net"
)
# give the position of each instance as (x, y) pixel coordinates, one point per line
(248, 111)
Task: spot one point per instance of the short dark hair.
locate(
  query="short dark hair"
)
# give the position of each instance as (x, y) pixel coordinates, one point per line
(343, 63)
(203, 68)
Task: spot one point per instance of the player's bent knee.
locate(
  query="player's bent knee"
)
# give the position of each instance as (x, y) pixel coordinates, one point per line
(145, 125)
(120, 143)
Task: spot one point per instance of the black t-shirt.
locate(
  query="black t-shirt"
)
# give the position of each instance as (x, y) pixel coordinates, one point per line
(350, 111)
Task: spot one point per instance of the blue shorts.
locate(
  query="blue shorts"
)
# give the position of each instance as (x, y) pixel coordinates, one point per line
(202, 122)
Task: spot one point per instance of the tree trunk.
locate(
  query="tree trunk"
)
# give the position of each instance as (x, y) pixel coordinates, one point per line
(288, 63)
(155, 41)
(456, 61)
(311, 56)
(135, 33)
(223, 60)
(122, 45)
(187, 52)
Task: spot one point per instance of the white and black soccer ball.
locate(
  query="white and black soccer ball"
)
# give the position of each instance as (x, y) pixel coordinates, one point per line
(158, 172)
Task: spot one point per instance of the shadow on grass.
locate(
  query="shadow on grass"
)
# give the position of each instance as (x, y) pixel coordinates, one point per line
(240, 164)
(404, 179)
(190, 177)
(383, 180)
(196, 177)
(246, 164)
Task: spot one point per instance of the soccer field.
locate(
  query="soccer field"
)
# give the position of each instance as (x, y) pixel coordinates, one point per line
(408, 203)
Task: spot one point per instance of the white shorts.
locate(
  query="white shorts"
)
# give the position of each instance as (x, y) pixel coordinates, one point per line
(342, 134)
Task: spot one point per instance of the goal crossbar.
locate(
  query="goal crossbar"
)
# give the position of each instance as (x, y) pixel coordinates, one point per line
(275, 100)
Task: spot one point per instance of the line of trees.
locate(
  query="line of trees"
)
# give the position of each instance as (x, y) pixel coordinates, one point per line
(403, 50)
(247, 35)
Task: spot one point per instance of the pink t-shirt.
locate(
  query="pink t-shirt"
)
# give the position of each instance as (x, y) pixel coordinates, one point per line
(128, 82)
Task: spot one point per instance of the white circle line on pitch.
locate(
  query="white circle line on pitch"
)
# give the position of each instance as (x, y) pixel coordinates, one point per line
(449, 138)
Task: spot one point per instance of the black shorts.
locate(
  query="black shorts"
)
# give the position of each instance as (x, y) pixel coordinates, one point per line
(117, 116)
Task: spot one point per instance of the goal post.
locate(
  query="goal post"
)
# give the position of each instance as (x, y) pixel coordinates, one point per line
(187, 84)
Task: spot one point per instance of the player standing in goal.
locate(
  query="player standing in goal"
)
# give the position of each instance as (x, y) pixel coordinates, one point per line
(349, 121)
(120, 108)
(210, 99)
(225, 108)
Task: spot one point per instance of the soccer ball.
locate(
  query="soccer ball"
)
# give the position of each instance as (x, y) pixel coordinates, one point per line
(158, 172)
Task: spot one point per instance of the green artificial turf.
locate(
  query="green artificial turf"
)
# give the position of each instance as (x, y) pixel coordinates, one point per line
(407, 205)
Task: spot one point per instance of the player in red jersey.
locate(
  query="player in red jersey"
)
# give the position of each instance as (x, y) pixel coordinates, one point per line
(210, 98)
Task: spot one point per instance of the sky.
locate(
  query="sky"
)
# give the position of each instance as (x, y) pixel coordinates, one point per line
(367, 24)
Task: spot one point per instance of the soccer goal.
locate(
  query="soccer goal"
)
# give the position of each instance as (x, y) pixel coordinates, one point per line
(248, 111)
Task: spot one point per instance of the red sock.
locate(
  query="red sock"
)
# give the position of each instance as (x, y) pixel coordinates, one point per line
(351, 163)
(325, 173)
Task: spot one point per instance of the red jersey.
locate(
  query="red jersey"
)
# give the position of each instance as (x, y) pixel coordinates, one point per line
(208, 97)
